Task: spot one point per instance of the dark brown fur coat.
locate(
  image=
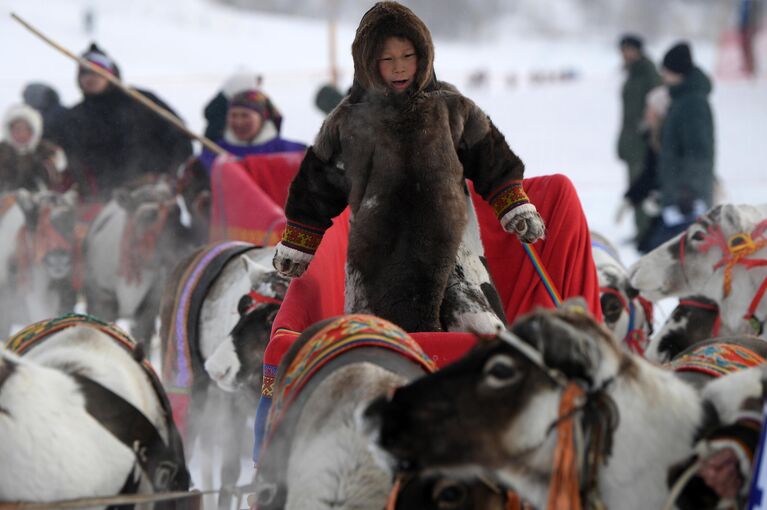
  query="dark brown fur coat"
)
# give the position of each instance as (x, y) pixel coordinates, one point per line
(399, 162)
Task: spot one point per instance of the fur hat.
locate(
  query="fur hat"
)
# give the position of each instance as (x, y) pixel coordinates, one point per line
(631, 41)
(98, 57)
(30, 116)
(384, 20)
(258, 102)
(678, 59)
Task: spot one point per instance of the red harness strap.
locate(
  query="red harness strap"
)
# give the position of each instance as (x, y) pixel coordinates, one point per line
(260, 299)
(635, 337)
(693, 303)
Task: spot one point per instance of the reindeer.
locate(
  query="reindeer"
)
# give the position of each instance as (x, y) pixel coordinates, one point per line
(130, 247)
(38, 256)
(314, 455)
(75, 411)
(501, 410)
(627, 314)
(717, 257)
(234, 294)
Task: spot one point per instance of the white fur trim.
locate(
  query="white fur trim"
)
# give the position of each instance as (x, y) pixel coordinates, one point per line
(32, 117)
(240, 82)
(520, 209)
(287, 252)
(267, 134)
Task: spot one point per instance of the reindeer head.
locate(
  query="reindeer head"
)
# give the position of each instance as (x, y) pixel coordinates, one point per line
(696, 261)
(238, 361)
(625, 313)
(155, 237)
(494, 408)
(49, 234)
(695, 318)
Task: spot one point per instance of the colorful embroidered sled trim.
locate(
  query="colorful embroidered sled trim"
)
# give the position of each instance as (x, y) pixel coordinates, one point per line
(34, 334)
(507, 197)
(302, 237)
(716, 360)
(178, 361)
(339, 336)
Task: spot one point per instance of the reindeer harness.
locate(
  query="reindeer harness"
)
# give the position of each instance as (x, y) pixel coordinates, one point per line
(736, 250)
(164, 464)
(567, 491)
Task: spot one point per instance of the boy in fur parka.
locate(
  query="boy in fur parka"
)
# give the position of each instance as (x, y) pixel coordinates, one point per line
(397, 150)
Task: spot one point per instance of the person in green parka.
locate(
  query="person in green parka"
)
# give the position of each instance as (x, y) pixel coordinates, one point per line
(632, 143)
(686, 161)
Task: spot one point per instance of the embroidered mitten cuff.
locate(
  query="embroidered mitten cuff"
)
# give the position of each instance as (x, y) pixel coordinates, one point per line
(296, 250)
(516, 213)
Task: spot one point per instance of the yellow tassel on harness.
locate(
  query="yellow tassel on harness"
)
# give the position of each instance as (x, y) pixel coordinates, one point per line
(564, 490)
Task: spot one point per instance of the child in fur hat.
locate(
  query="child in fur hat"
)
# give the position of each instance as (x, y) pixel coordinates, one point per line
(26, 160)
(397, 150)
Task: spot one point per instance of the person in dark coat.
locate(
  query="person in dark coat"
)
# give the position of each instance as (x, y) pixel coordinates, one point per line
(45, 99)
(686, 162)
(641, 78)
(26, 160)
(397, 150)
(112, 140)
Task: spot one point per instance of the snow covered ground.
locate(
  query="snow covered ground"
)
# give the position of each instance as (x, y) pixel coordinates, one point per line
(184, 49)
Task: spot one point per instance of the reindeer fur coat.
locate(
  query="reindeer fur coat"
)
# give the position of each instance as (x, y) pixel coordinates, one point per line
(399, 162)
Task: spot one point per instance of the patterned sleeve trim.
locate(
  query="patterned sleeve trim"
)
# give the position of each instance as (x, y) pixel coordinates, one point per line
(302, 237)
(507, 197)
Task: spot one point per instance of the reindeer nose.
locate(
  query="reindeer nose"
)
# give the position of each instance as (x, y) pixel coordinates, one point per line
(631, 292)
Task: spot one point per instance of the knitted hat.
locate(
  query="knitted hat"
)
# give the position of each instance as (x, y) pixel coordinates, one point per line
(258, 102)
(96, 56)
(632, 41)
(678, 59)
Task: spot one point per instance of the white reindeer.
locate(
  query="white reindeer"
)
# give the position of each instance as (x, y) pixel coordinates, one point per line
(55, 443)
(628, 315)
(723, 257)
(495, 413)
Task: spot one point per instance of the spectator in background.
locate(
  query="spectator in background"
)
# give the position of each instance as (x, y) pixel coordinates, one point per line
(112, 140)
(45, 99)
(643, 193)
(216, 109)
(686, 159)
(26, 160)
(749, 13)
(632, 144)
(252, 127)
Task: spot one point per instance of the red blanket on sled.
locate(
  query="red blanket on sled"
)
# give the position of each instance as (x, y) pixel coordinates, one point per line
(249, 196)
(565, 253)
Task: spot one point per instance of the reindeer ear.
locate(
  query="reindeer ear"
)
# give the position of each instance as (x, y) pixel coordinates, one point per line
(564, 346)
(255, 270)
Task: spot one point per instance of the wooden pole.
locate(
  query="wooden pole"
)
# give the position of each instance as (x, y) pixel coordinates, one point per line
(332, 51)
(162, 112)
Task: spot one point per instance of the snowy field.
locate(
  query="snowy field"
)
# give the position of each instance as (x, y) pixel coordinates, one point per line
(184, 49)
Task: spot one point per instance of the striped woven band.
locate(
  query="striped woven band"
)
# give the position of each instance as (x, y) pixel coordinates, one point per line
(507, 197)
(302, 237)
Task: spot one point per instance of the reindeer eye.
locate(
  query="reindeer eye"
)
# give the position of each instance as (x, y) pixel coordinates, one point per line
(449, 494)
(698, 236)
(500, 371)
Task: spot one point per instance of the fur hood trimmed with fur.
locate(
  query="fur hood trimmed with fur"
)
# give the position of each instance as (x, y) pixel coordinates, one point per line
(31, 117)
(384, 20)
